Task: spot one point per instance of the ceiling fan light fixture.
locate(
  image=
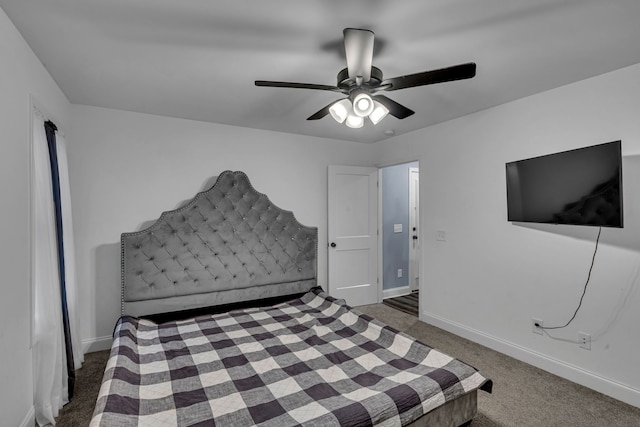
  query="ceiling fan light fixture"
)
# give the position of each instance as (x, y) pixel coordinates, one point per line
(340, 110)
(354, 122)
(360, 79)
(379, 112)
(362, 105)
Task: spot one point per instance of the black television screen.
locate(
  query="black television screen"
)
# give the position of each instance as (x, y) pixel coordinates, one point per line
(578, 187)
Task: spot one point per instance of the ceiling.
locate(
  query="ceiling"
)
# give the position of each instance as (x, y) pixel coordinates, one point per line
(198, 59)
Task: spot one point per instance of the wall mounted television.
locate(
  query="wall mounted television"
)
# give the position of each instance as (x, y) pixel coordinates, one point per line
(577, 187)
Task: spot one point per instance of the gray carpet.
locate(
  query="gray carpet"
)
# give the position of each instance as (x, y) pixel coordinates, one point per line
(522, 395)
(77, 413)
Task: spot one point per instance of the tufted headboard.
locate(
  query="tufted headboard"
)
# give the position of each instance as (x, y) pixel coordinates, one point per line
(228, 244)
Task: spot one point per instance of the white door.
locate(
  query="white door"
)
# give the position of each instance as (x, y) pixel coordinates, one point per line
(414, 219)
(352, 228)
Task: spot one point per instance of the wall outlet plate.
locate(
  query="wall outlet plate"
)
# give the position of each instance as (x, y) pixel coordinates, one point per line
(534, 328)
(584, 340)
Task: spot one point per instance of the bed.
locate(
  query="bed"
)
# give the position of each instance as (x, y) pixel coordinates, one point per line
(223, 324)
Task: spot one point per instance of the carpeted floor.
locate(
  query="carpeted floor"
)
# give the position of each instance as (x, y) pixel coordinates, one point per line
(523, 396)
(77, 413)
(407, 303)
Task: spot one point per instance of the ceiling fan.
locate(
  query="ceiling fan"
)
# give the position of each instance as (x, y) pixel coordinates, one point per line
(362, 82)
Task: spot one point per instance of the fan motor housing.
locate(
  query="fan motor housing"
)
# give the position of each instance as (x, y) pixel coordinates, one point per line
(345, 82)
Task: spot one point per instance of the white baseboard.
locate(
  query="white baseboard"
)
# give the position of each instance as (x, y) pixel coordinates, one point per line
(29, 419)
(97, 344)
(396, 292)
(565, 370)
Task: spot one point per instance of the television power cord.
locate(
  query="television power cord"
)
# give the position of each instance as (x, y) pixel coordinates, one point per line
(584, 291)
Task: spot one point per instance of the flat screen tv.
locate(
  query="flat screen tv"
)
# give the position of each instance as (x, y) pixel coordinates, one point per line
(578, 187)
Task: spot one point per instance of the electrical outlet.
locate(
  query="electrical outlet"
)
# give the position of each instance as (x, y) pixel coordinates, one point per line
(536, 329)
(584, 340)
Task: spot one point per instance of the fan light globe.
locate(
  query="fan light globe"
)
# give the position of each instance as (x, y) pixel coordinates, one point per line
(354, 121)
(340, 110)
(379, 112)
(362, 105)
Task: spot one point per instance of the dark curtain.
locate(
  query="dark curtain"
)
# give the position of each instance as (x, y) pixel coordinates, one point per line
(50, 130)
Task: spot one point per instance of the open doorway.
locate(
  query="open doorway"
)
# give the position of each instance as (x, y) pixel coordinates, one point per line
(414, 221)
(400, 245)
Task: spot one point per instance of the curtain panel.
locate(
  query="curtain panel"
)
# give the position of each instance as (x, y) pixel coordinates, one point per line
(57, 349)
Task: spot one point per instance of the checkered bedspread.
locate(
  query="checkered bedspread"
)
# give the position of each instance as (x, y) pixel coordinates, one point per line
(311, 361)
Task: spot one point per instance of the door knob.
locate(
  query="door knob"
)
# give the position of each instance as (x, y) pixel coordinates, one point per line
(333, 244)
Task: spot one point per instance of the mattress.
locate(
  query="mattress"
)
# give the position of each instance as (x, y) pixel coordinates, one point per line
(310, 361)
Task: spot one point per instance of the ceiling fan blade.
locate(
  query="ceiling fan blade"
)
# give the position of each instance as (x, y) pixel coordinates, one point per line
(456, 72)
(322, 112)
(358, 48)
(298, 85)
(396, 110)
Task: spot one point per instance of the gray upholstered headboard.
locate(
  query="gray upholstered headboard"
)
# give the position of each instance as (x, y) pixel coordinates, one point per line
(229, 244)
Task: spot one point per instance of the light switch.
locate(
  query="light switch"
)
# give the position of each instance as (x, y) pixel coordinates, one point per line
(441, 236)
(397, 228)
(399, 272)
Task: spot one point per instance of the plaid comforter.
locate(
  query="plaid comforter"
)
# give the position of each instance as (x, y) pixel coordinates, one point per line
(311, 361)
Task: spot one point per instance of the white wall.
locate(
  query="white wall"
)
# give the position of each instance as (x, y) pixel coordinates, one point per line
(127, 168)
(21, 75)
(491, 277)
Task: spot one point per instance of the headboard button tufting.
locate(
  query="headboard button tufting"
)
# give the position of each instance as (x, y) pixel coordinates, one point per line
(229, 237)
